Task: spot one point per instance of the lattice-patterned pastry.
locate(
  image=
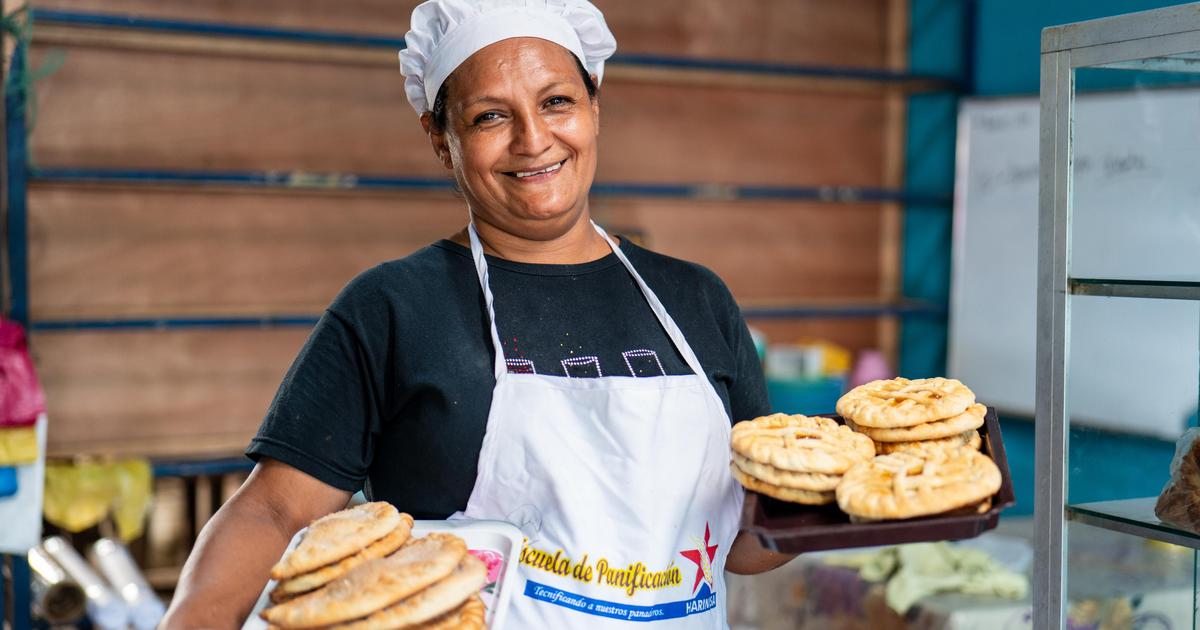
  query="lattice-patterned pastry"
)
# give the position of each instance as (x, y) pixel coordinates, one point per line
(968, 420)
(792, 495)
(815, 482)
(970, 439)
(901, 402)
(905, 485)
(801, 443)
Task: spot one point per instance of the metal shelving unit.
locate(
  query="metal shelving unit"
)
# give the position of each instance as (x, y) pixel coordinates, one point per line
(1160, 40)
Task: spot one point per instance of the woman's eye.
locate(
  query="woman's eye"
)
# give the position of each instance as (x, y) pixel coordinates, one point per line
(556, 101)
(486, 117)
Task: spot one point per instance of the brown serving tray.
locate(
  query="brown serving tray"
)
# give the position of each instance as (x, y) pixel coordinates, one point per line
(793, 528)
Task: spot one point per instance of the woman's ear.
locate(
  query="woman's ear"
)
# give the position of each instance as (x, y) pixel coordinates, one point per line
(437, 138)
(596, 104)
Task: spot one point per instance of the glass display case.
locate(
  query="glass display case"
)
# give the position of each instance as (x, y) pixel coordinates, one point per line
(1118, 319)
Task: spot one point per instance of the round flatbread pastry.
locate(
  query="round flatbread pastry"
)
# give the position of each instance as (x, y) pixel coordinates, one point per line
(337, 536)
(306, 582)
(970, 439)
(469, 616)
(968, 420)
(374, 585)
(801, 443)
(815, 482)
(904, 485)
(791, 495)
(900, 402)
(439, 599)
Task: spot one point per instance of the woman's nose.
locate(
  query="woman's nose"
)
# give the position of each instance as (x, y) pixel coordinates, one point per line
(532, 135)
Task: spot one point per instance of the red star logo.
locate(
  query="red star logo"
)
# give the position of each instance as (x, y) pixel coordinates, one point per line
(694, 556)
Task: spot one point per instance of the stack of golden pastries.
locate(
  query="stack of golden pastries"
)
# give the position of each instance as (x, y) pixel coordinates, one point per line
(361, 568)
(796, 458)
(926, 433)
(908, 448)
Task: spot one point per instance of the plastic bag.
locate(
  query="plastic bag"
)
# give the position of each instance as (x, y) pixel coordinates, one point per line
(80, 495)
(18, 446)
(21, 397)
(1179, 502)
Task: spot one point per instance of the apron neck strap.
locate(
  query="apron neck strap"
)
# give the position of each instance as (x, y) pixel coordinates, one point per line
(660, 312)
(481, 269)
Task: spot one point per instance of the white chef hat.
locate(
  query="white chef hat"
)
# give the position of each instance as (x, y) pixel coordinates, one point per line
(446, 32)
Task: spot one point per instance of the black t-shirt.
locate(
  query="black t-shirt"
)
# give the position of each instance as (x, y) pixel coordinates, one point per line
(392, 389)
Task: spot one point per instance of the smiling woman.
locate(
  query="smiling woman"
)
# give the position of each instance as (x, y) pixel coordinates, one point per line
(519, 132)
(530, 368)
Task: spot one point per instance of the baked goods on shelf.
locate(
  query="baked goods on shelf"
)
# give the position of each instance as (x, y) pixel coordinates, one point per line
(1179, 503)
(385, 579)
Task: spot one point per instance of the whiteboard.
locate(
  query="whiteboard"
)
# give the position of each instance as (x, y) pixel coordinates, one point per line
(1133, 362)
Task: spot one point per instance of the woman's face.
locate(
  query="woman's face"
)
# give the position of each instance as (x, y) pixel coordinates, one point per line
(521, 137)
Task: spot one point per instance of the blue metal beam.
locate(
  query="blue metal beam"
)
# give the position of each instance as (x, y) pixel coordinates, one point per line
(306, 321)
(208, 29)
(847, 311)
(22, 593)
(333, 181)
(201, 468)
(174, 323)
(190, 27)
(16, 227)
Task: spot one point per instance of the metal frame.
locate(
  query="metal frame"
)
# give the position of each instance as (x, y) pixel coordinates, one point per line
(1053, 315)
(1118, 40)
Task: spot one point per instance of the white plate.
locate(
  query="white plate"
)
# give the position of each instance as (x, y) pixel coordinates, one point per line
(495, 536)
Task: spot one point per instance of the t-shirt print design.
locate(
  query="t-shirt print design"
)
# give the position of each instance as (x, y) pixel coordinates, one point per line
(639, 363)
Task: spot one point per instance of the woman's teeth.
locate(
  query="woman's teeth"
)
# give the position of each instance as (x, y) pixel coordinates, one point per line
(548, 169)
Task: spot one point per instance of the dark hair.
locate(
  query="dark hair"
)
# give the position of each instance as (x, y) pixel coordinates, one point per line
(438, 111)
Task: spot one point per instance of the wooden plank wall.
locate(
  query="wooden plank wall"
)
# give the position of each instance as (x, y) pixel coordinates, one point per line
(106, 251)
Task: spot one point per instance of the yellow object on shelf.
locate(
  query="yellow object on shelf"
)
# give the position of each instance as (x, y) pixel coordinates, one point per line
(18, 446)
(807, 359)
(836, 359)
(80, 495)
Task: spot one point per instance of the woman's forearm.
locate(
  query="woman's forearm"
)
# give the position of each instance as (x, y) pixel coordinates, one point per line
(234, 553)
(228, 567)
(749, 557)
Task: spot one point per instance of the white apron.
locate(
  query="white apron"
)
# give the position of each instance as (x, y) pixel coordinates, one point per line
(620, 484)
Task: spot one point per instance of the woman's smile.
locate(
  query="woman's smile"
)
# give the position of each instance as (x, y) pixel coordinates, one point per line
(537, 174)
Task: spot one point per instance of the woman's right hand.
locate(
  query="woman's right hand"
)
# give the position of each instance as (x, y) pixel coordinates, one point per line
(235, 551)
